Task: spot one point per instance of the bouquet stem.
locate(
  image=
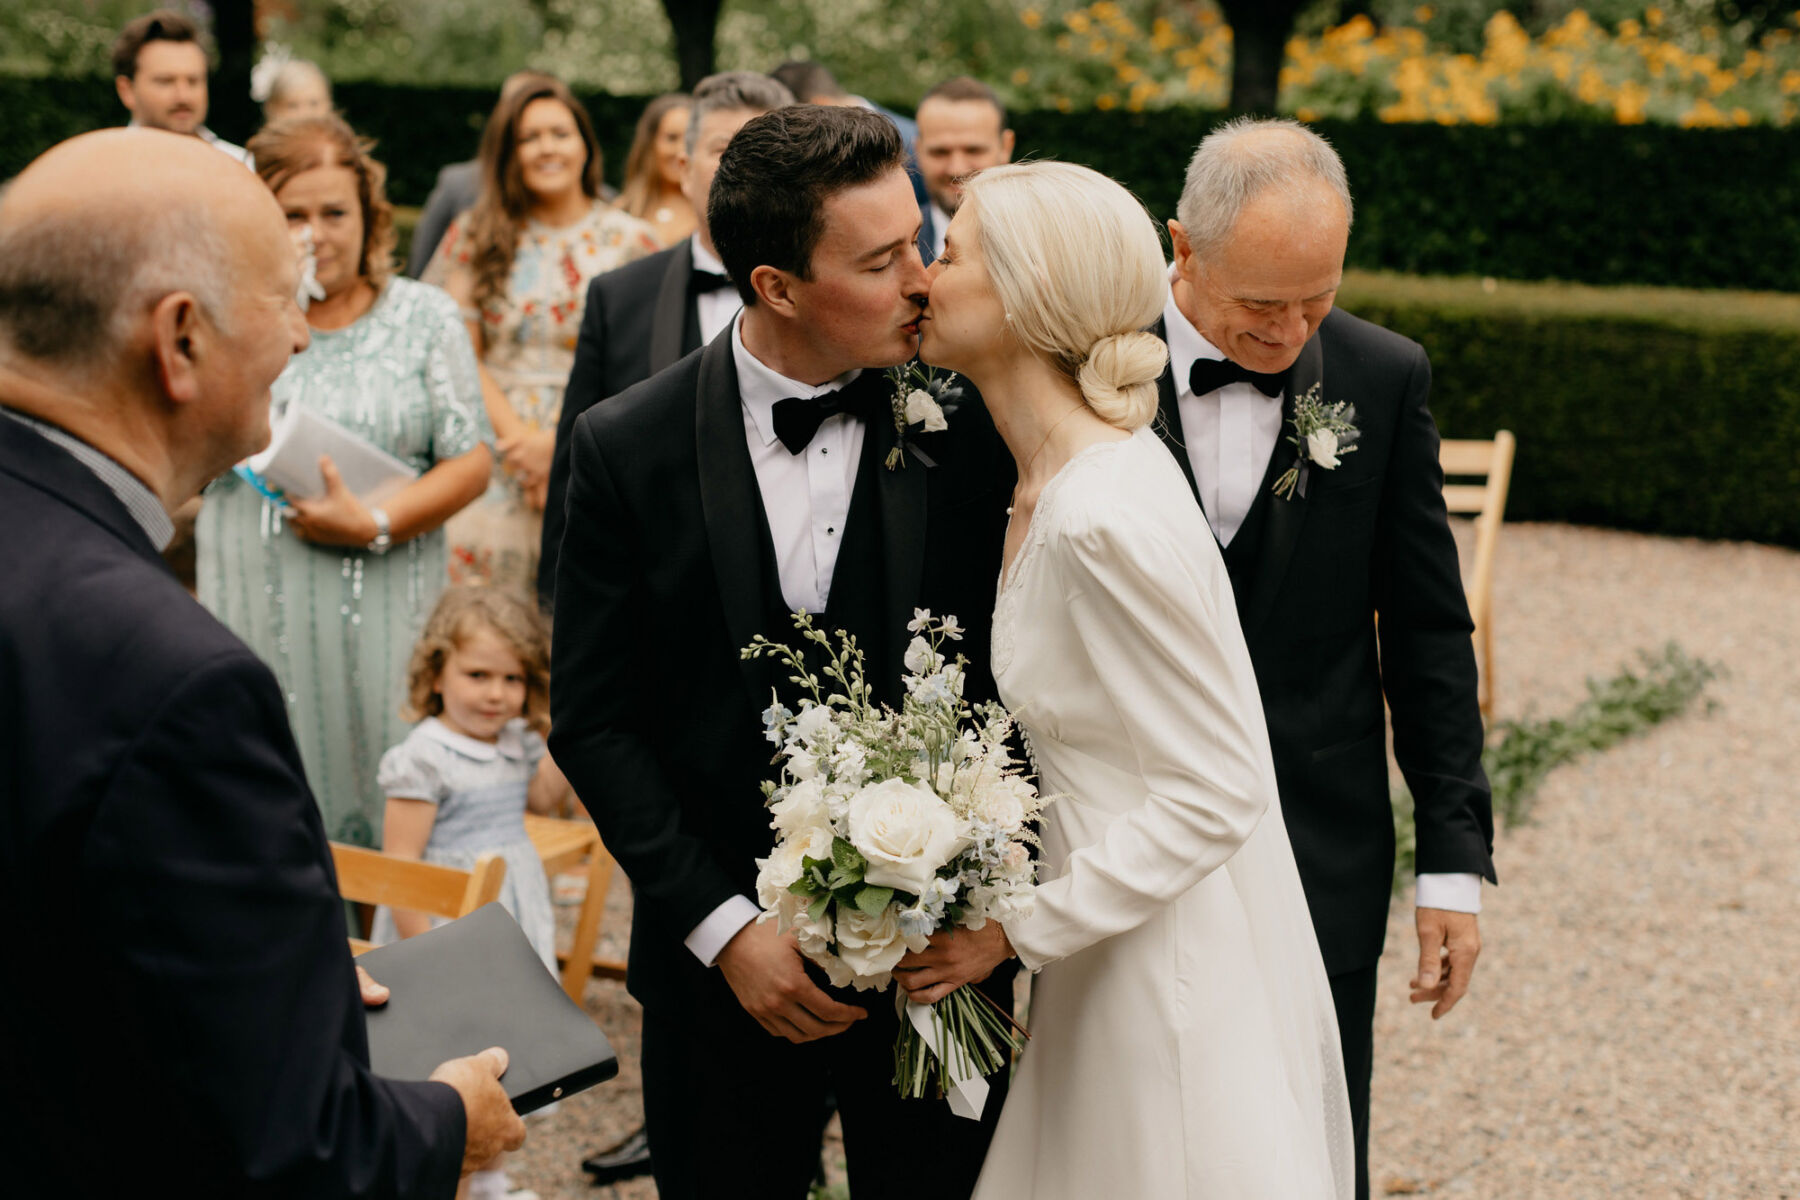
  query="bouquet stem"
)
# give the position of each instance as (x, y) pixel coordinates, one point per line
(974, 1036)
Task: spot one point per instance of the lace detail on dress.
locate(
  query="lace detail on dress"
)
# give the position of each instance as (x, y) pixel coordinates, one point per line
(1000, 654)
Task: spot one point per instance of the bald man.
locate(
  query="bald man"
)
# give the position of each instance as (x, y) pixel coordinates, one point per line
(181, 1002)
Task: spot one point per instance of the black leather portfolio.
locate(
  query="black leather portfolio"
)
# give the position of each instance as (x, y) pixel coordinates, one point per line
(474, 983)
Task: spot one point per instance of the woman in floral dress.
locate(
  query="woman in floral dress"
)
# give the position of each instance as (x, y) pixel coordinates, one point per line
(519, 264)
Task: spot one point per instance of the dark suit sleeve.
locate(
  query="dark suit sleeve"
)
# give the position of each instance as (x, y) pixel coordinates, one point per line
(1427, 656)
(209, 855)
(440, 210)
(586, 380)
(598, 722)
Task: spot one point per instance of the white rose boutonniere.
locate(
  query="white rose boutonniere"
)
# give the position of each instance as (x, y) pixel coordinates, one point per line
(1323, 434)
(922, 398)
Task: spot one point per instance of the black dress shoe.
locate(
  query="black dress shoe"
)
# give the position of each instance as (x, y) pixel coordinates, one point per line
(627, 1160)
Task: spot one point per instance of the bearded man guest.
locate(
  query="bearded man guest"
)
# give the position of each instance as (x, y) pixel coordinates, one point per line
(962, 129)
(159, 70)
(1264, 220)
(645, 315)
(704, 506)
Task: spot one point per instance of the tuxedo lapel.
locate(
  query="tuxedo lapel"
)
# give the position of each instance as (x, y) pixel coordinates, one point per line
(669, 320)
(902, 493)
(1284, 517)
(730, 501)
(1168, 418)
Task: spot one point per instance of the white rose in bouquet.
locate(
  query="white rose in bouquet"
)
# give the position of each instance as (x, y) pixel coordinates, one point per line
(814, 726)
(783, 867)
(803, 806)
(904, 832)
(871, 946)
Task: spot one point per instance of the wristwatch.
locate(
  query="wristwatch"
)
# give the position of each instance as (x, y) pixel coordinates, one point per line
(383, 539)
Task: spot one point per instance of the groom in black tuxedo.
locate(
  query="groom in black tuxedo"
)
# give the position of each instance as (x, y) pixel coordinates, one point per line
(1259, 252)
(648, 314)
(704, 505)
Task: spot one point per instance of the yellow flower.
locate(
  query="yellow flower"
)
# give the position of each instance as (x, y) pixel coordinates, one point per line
(1063, 104)
(1078, 21)
(1128, 73)
(1097, 45)
(1629, 103)
(1031, 18)
(1423, 14)
(1308, 115)
(1021, 77)
(1790, 83)
(1703, 115)
(1629, 29)
(1106, 101)
(1740, 116)
(1653, 17)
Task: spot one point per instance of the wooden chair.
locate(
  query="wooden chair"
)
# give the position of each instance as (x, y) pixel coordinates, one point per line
(1491, 464)
(370, 877)
(563, 845)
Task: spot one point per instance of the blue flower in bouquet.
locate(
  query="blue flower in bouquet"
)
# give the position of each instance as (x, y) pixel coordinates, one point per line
(774, 717)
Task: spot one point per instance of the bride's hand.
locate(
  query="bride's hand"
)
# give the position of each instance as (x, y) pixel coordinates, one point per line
(955, 957)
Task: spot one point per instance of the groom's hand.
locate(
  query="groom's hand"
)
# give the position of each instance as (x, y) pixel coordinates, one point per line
(1449, 944)
(767, 972)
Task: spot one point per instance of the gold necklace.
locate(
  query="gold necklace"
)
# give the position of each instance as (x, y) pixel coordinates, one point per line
(1041, 445)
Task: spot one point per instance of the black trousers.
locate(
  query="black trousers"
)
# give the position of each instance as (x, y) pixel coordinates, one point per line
(733, 1111)
(1353, 993)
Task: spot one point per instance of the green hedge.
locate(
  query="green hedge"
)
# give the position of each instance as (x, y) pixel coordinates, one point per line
(1670, 412)
(1592, 203)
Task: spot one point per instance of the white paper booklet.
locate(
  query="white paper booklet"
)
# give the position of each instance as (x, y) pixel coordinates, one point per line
(291, 463)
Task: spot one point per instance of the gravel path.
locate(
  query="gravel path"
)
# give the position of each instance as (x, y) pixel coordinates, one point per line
(1635, 1024)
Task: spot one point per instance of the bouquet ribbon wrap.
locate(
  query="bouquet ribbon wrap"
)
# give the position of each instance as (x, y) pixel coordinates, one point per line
(968, 1091)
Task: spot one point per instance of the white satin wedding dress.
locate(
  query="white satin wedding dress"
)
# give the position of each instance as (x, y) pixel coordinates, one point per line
(1184, 1042)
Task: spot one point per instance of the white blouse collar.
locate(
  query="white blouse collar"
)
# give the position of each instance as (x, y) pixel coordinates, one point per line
(510, 744)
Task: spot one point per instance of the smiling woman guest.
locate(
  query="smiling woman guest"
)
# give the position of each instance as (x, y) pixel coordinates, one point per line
(654, 167)
(332, 592)
(519, 263)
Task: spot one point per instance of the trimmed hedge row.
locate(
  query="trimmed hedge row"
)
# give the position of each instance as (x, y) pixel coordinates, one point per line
(1634, 418)
(1592, 203)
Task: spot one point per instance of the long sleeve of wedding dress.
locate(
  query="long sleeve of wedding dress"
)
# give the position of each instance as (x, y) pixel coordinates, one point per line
(1184, 1044)
(1147, 626)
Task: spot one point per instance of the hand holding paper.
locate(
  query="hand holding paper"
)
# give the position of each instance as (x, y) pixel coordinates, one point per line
(337, 518)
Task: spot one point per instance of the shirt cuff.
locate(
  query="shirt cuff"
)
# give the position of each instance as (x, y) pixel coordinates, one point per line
(1452, 893)
(721, 925)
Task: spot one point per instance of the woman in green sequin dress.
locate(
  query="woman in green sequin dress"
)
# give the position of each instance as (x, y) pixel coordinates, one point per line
(313, 590)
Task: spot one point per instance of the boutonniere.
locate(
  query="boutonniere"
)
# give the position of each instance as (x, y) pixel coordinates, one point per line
(1323, 434)
(924, 398)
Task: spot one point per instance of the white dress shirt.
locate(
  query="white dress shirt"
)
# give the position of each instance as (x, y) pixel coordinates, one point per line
(806, 498)
(1230, 434)
(715, 309)
(940, 225)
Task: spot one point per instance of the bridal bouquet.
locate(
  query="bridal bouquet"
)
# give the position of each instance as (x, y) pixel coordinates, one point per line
(891, 826)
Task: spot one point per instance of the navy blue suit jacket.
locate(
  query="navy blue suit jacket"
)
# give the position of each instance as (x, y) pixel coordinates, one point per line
(178, 994)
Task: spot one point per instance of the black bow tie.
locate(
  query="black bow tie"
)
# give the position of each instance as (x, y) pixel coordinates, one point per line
(1211, 374)
(700, 282)
(798, 417)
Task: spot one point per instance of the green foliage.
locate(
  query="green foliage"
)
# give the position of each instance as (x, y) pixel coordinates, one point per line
(1521, 753)
(1630, 414)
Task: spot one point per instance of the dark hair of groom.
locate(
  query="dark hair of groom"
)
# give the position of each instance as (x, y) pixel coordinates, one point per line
(767, 206)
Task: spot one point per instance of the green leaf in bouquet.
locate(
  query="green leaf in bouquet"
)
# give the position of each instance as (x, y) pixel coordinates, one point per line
(816, 910)
(803, 886)
(847, 858)
(870, 900)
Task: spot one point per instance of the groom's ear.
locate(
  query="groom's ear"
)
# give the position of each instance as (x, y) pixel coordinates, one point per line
(774, 290)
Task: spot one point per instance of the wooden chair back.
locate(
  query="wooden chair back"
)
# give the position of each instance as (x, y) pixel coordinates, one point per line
(1488, 467)
(371, 877)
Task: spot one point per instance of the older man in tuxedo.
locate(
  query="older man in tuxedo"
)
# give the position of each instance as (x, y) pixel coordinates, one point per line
(1259, 252)
(705, 505)
(644, 316)
(181, 997)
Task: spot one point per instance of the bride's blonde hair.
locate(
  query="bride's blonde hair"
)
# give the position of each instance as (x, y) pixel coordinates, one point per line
(1077, 264)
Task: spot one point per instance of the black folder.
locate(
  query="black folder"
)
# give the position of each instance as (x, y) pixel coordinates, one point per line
(474, 983)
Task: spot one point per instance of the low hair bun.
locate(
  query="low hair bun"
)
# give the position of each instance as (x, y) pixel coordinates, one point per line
(1118, 380)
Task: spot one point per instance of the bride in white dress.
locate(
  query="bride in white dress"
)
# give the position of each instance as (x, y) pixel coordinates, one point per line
(1184, 1042)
